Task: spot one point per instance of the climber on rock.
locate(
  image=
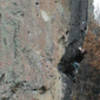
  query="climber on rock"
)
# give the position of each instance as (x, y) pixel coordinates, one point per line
(71, 66)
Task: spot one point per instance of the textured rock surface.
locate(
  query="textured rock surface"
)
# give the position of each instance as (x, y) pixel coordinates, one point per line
(32, 36)
(29, 52)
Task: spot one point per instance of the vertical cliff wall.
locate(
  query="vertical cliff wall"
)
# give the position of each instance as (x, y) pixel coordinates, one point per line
(34, 35)
(30, 37)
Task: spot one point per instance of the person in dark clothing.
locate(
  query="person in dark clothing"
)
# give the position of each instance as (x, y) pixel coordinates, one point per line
(70, 64)
(79, 55)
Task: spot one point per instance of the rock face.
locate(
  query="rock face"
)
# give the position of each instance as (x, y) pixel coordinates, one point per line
(30, 36)
(33, 37)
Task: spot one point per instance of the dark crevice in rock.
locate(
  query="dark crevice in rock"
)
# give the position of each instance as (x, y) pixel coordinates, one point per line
(79, 16)
(41, 90)
(0, 17)
(67, 32)
(37, 3)
(2, 76)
